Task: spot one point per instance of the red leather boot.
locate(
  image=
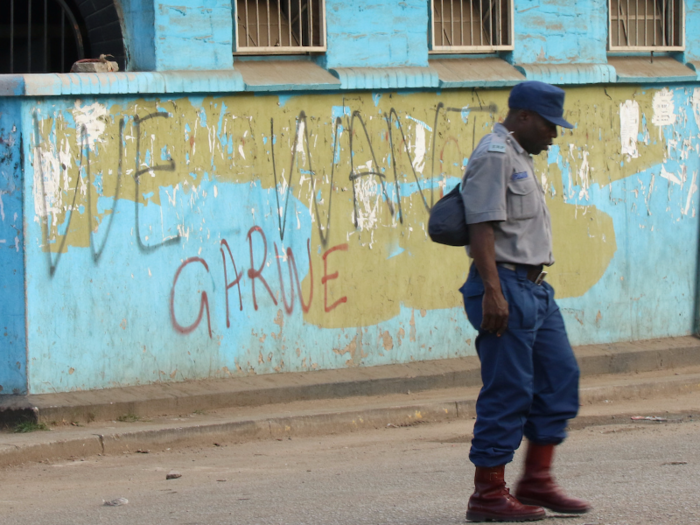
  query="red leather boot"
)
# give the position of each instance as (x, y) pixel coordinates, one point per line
(537, 486)
(492, 501)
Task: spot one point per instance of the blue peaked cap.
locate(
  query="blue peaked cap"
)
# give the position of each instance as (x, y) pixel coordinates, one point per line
(544, 99)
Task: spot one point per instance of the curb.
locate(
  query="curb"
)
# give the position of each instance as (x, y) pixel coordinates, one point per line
(173, 398)
(333, 422)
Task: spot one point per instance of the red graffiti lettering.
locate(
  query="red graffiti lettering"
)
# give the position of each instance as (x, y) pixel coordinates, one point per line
(326, 277)
(237, 281)
(292, 266)
(204, 303)
(257, 274)
(289, 308)
(304, 307)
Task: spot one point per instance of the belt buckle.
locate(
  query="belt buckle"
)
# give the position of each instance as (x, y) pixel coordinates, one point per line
(540, 278)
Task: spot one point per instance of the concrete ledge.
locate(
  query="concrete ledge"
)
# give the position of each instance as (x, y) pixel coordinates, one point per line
(569, 73)
(285, 75)
(475, 72)
(639, 356)
(605, 400)
(642, 70)
(59, 84)
(187, 397)
(695, 66)
(386, 77)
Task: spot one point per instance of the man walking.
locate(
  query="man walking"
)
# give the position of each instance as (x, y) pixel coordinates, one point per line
(529, 372)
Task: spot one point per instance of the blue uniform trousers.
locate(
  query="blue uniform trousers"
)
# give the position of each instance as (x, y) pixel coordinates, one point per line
(530, 375)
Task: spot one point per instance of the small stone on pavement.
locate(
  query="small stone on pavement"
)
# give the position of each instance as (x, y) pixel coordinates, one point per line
(116, 502)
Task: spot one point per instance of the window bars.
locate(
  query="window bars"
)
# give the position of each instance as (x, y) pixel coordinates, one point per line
(42, 36)
(472, 26)
(280, 26)
(646, 25)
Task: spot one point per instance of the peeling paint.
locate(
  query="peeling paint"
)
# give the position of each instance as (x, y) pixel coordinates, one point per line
(629, 128)
(663, 107)
(231, 235)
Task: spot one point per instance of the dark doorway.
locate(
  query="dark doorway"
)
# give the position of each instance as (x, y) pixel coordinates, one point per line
(48, 36)
(39, 36)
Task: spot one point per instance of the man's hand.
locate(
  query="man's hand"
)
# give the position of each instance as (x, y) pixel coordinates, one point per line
(495, 312)
(494, 305)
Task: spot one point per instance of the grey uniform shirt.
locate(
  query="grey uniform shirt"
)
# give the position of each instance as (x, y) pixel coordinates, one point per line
(499, 186)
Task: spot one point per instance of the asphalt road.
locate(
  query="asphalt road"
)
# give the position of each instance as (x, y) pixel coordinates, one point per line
(646, 473)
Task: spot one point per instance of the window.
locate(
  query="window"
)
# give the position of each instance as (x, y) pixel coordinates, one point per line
(39, 36)
(646, 25)
(471, 26)
(280, 26)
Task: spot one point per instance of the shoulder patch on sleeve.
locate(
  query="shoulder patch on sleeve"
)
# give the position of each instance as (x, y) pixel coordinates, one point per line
(498, 147)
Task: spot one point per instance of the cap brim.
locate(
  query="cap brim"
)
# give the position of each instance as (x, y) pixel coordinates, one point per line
(558, 121)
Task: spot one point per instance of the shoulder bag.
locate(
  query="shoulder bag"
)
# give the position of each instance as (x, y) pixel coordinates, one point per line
(447, 223)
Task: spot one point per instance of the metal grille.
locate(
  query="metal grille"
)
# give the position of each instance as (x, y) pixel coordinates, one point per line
(646, 25)
(472, 25)
(38, 36)
(280, 26)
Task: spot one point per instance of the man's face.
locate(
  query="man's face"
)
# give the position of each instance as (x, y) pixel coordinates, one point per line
(538, 133)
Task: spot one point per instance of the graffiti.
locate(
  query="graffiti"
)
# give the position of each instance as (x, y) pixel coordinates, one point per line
(45, 220)
(292, 266)
(288, 232)
(203, 304)
(96, 254)
(138, 172)
(255, 274)
(397, 170)
(85, 164)
(330, 277)
(356, 123)
(227, 285)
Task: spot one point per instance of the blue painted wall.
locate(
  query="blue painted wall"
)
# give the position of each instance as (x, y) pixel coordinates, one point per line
(13, 357)
(140, 294)
(560, 32)
(198, 34)
(692, 31)
(383, 33)
(193, 35)
(130, 287)
(656, 226)
(138, 23)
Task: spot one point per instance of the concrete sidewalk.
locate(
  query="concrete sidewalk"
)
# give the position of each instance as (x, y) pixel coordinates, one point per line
(654, 378)
(250, 391)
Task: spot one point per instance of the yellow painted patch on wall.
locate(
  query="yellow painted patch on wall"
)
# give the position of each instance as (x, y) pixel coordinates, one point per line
(382, 162)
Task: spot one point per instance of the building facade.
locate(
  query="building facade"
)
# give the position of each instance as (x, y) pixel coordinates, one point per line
(250, 194)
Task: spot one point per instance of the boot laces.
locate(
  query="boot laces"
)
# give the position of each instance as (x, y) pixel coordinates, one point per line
(505, 492)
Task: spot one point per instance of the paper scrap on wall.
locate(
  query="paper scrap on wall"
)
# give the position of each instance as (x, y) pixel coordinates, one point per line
(629, 128)
(664, 108)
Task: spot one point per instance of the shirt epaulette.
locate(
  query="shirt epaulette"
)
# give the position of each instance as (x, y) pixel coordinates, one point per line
(497, 145)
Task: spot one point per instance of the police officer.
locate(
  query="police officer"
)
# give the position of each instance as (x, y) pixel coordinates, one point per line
(529, 372)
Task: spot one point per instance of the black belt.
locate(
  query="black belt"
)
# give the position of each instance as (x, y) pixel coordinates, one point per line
(534, 273)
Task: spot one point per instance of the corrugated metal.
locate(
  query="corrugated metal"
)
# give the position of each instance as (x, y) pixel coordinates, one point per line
(642, 69)
(121, 83)
(475, 72)
(569, 73)
(386, 77)
(284, 75)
